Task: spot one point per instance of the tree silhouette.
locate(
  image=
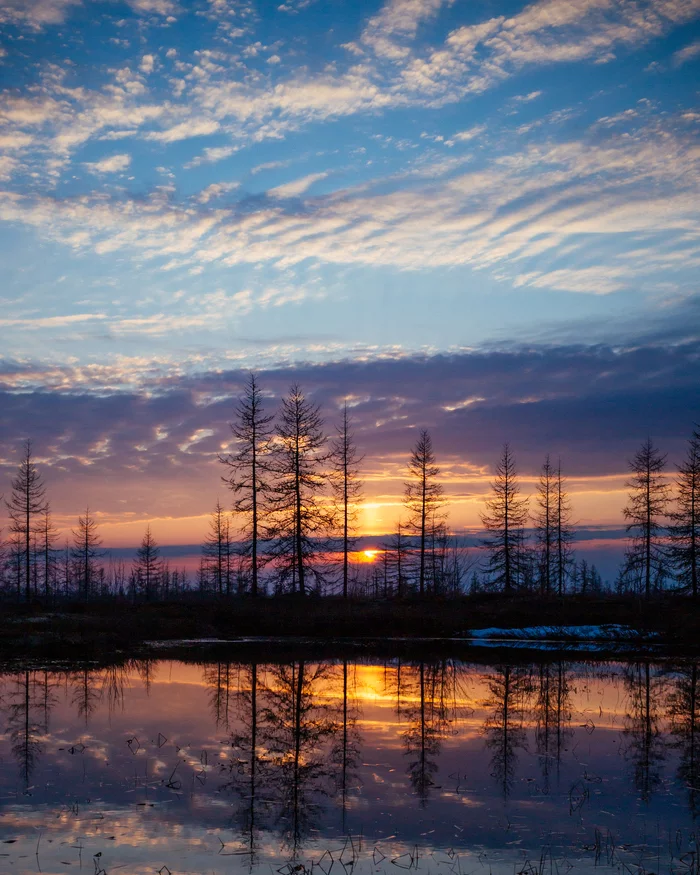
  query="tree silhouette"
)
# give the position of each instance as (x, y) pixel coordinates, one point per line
(685, 520)
(248, 469)
(300, 521)
(218, 551)
(504, 519)
(25, 726)
(347, 487)
(648, 499)
(423, 498)
(85, 551)
(27, 502)
(148, 566)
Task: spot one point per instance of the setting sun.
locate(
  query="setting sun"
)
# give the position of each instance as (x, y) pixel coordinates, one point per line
(369, 555)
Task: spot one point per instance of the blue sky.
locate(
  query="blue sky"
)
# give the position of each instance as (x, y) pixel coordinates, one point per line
(189, 189)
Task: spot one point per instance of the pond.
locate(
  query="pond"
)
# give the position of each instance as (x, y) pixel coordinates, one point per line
(212, 766)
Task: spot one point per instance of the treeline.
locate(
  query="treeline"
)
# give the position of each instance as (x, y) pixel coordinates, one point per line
(293, 526)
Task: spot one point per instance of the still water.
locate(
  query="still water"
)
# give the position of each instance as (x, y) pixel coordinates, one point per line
(373, 766)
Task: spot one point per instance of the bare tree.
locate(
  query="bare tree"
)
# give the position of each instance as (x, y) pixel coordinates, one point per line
(301, 520)
(85, 551)
(248, 466)
(544, 518)
(347, 487)
(218, 550)
(504, 519)
(646, 558)
(26, 503)
(564, 533)
(685, 519)
(148, 566)
(423, 497)
(47, 534)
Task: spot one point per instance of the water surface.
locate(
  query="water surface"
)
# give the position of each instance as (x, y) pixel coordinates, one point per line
(441, 766)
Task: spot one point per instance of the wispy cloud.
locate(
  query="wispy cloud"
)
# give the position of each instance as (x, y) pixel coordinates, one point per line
(298, 186)
(111, 164)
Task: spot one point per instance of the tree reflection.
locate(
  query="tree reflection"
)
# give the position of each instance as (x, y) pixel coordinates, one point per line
(684, 711)
(504, 731)
(644, 744)
(295, 728)
(346, 750)
(248, 767)
(27, 722)
(429, 718)
(218, 680)
(552, 716)
(86, 694)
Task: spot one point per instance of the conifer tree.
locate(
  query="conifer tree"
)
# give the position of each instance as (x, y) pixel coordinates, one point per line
(423, 498)
(85, 552)
(685, 520)
(148, 566)
(248, 467)
(347, 487)
(26, 503)
(504, 520)
(646, 558)
(301, 521)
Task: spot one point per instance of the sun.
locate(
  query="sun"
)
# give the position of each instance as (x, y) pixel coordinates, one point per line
(369, 555)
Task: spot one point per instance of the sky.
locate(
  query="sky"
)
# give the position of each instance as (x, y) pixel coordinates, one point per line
(481, 218)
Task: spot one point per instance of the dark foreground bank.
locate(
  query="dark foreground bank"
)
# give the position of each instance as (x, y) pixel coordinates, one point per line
(667, 622)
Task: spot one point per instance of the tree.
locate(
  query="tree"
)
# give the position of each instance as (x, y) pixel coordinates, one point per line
(504, 519)
(648, 499)
(248, 467)
(564, 533)
(423, 497)
(545, 519)
(47, 534)
(85, 551)
(301, 521)
(148, 566)
(217, 550)
(25, 504)
(685, 519)
(347, 487)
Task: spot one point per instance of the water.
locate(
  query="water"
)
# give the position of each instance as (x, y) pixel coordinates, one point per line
(371, 766)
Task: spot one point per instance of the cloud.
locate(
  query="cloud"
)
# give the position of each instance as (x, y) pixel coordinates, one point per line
(215, 190)
(112, 164)
(469, 134)
(185, 130)
(35, 13)
(297, 187)
(212, 154)
(148, 63)
(688, 53)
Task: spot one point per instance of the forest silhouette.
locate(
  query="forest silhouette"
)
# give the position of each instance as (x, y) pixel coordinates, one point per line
(292, 526)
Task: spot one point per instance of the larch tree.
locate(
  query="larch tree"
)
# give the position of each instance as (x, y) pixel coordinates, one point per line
(544, 519)
(26, 503)
(424, 500)
(504, 519)
(217, 550)
(301, 520)
(85, 551)
(148, 566)
(247, 473)
(685, 519)
(347, 487)
(47, 535)
(564, 532)
(646, 559)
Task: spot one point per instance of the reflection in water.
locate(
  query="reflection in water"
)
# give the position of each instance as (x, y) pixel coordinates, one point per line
(684, 711)
(645, 748)
(504, 730)
(552, 718)
(147, 764)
